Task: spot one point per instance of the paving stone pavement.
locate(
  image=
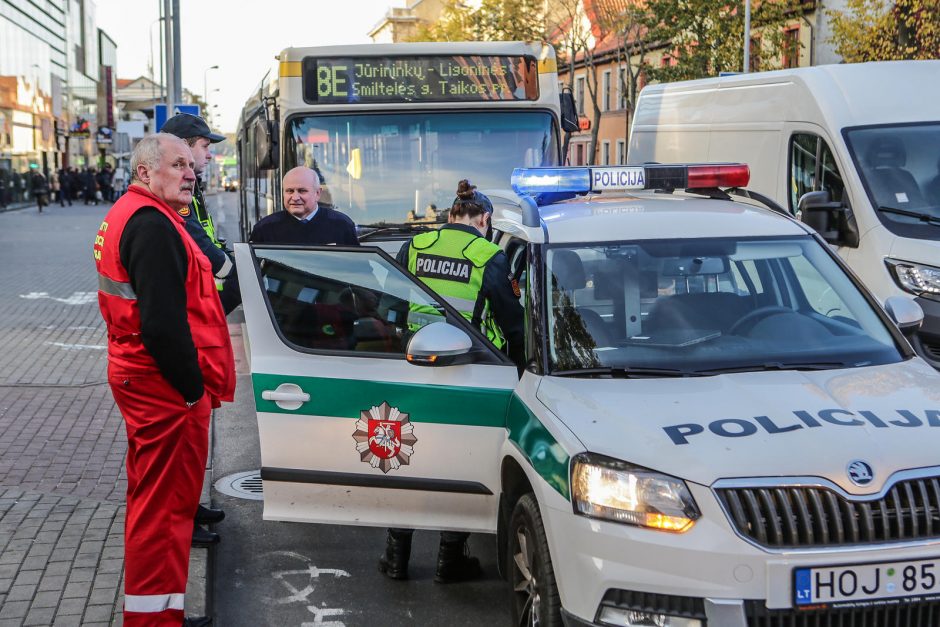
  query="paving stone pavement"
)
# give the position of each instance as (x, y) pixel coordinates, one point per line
(62, 441)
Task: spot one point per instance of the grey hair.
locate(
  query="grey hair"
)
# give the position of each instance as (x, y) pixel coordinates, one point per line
(148, 152)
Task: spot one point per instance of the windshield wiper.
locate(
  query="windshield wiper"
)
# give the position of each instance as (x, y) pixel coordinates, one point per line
(627, 372)
(776, 365)
(395, 227)
(923, 217)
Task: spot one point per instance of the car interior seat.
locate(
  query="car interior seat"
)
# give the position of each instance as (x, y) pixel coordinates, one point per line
(568, 276)
(892, 185)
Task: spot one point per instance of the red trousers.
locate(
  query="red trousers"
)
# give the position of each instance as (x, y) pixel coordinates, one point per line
(167, 447)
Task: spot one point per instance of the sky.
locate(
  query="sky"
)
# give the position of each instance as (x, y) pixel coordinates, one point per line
(240, 36)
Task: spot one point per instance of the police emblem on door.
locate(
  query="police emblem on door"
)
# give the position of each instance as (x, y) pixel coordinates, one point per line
(384, 437)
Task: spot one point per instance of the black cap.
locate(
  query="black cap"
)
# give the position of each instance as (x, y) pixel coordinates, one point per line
(186, 125)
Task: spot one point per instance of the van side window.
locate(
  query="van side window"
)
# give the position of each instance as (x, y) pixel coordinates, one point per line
(813, 168)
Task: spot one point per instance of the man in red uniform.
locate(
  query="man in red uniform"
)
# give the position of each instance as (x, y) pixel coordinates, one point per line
(169, 363)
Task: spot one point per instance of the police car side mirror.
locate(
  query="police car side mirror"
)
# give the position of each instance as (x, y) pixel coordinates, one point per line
(439, 344)
(905, 313)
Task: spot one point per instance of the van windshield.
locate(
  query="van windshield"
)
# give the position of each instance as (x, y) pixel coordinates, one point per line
(404, 167)
(698, 307)
(900, 168)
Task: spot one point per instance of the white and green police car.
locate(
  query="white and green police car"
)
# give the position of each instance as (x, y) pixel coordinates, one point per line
(717, 424)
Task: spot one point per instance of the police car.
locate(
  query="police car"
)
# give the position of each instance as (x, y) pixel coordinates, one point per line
(717, 425)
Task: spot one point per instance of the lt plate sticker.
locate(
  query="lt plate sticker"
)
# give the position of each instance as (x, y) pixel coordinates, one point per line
(384, 437)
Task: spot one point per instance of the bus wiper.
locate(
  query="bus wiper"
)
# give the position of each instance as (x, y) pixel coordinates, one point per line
(923, 217)
(776, 365)
(626, 372)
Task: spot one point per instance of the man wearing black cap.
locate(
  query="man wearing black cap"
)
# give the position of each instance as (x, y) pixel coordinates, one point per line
(194, 131)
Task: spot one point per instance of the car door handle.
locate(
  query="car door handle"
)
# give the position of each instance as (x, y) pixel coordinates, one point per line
(287, 396)
(274, 395)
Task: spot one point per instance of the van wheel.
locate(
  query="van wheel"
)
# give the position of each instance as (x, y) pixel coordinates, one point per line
(535, 600)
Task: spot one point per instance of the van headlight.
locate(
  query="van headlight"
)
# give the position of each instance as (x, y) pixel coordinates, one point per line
(914, 277)
(606, 488)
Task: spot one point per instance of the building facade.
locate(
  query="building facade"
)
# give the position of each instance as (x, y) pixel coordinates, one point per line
(52, 101)
(807, 30)
(401, 23)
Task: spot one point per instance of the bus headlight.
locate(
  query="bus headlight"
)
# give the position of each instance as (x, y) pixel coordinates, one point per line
(606, 488)
(914, 277)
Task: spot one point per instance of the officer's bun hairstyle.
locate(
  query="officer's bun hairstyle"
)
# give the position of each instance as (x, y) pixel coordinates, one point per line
(466, 204)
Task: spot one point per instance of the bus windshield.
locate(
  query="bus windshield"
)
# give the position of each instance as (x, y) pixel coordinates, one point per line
(404, 167)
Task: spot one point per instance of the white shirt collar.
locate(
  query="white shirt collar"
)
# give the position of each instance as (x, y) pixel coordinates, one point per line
(306, 219)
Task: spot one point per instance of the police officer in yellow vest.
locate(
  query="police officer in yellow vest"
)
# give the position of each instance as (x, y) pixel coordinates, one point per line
(472, 274)
(194, 130)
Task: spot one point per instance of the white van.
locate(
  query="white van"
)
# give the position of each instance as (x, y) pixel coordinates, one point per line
(853, 150)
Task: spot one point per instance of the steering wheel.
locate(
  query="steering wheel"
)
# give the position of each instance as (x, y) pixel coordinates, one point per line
(753, 317)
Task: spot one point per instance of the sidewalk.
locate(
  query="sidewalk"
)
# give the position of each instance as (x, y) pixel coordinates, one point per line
(62, 440)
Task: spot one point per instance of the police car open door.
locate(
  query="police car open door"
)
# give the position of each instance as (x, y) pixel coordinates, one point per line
(351, 431)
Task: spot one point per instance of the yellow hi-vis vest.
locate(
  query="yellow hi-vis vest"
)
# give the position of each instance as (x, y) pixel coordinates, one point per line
(451, 262)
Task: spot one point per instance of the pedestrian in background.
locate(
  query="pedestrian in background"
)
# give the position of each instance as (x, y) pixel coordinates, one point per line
(119, 181)
(90, 186)
(103, 178)
(55, 188)
(170, 363)
(65, 187)
(39, 187)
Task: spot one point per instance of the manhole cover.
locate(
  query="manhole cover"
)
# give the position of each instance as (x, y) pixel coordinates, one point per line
(243, 485)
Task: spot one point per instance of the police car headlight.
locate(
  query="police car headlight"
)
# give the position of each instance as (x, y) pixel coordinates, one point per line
(915, 278)
(606, 488)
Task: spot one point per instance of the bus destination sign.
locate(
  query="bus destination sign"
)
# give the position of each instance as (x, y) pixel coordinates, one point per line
(441, 78)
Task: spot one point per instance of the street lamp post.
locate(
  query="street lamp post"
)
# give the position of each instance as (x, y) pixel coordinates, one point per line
(205, 90)
(747, 36)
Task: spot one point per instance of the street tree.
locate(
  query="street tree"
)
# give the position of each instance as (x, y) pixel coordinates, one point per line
(575, 43)
(626, 22)
(492, 20)
(704, 37)
(881, 30)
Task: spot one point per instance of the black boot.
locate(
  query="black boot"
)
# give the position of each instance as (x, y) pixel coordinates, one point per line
(197, 621)
(454, 562)
(208, 516)
(394, 562)
(203, 538)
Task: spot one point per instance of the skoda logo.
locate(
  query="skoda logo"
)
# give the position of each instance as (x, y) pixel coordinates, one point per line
(860, 472)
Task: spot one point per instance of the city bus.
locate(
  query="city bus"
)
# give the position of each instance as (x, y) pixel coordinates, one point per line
(392, 128)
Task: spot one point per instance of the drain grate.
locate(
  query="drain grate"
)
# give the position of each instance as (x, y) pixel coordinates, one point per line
(242, 485)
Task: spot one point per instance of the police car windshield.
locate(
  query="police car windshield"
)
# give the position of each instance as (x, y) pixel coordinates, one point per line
(707, 306)
(404, 167)
(900, 167)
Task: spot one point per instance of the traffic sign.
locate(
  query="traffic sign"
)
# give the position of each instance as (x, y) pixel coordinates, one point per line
(160, 117)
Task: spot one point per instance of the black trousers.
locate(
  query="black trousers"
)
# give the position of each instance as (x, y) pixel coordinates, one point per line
(448, 537)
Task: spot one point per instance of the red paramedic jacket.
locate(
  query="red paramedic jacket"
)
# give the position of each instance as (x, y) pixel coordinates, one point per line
(118, 303)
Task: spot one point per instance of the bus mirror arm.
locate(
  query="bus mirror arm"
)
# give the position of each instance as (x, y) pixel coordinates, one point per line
(569, 112)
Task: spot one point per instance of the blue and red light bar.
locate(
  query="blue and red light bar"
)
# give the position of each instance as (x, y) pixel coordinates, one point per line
(530, 181)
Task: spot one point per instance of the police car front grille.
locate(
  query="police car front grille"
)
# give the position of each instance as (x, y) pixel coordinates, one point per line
(795, 516)
(922, 614)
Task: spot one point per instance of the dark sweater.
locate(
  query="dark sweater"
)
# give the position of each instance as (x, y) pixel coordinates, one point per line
(153, 254)
(328, 226)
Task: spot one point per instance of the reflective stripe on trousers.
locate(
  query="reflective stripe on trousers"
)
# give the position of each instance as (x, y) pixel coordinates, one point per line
(150, 603)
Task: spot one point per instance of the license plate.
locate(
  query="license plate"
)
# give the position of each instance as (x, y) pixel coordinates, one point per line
(869, 583)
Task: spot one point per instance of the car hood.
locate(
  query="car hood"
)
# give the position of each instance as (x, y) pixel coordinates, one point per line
(759, 424)
(916, 250)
